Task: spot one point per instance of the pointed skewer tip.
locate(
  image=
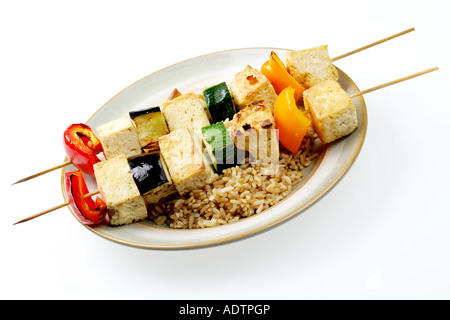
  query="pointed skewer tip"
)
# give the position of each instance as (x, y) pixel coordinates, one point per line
(43, 172)
(90, 194)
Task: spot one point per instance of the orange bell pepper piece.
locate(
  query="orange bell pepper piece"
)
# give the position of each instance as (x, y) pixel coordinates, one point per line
(291, 123)
(280, 78)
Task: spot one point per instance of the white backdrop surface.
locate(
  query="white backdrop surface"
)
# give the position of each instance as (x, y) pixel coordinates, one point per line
(381, 233)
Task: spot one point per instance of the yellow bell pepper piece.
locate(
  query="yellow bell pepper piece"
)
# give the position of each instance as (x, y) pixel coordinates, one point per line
(280, 78)
(291, 123)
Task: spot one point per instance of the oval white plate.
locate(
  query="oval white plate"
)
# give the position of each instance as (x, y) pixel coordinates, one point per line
(197, 73)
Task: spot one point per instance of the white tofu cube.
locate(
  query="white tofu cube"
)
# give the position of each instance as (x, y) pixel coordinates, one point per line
(333, 113)
(118, 189)
(251, 86)
(186, 111)
(184, 159)
(311, 66)
(253, 130)
(119, 137)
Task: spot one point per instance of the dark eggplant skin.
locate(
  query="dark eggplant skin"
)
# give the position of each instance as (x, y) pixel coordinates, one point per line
(137, 113)
(148, 172)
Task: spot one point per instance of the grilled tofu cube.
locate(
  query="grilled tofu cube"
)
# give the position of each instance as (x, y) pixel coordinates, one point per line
(253, 130)
(116, 184)
(186, 111)
(119, 137)
(251, 86)
(150, 125)
(185, 161)
(311, 66)
(152, 177)
(333, 113)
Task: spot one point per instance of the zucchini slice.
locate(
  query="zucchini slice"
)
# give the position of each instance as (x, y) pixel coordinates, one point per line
(219, 102)
(220, 146)
(150, 125)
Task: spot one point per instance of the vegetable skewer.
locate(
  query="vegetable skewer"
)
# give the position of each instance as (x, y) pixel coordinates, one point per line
(333, 59)
(351, 96)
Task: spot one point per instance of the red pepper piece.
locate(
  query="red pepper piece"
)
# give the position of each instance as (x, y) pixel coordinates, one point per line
(81, 146)
(89, 212)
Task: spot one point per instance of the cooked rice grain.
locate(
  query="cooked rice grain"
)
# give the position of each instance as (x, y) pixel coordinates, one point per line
(239, 192)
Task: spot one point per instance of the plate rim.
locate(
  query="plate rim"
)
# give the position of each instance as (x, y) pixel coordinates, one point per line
(253, 232)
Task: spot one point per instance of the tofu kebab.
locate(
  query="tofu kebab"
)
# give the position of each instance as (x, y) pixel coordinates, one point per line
(180, 165)
(177, 163)
(156, 153)
(299, 64)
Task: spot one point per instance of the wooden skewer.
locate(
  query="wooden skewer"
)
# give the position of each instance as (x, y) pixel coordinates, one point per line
(62, 205)
(351, 96)
(393, 82)
(372, 44)
(43, 172)
(334, 59)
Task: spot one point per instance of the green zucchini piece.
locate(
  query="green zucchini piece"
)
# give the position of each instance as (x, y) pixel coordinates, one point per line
(150, 125)
(220, 146)
(219, 102)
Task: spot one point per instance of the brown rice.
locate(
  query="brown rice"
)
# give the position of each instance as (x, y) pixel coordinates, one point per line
(239, 192)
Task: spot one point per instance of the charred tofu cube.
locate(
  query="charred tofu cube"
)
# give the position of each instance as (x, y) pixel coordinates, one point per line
(185, 160)
(186, 111)
(253, 130)
(311, 66)
(117, 187)
(150, 125)
(119, 137)
(333, 113)
(152, 177)
(251, 86)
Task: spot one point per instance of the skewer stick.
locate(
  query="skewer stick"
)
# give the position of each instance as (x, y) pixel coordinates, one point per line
(43, 172)
(59, 206)
(334, 59)
(393, 82)
(351, 96)
(372, 44)
(62, 165)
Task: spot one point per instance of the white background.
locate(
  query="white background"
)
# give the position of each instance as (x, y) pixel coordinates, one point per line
(381, 233)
